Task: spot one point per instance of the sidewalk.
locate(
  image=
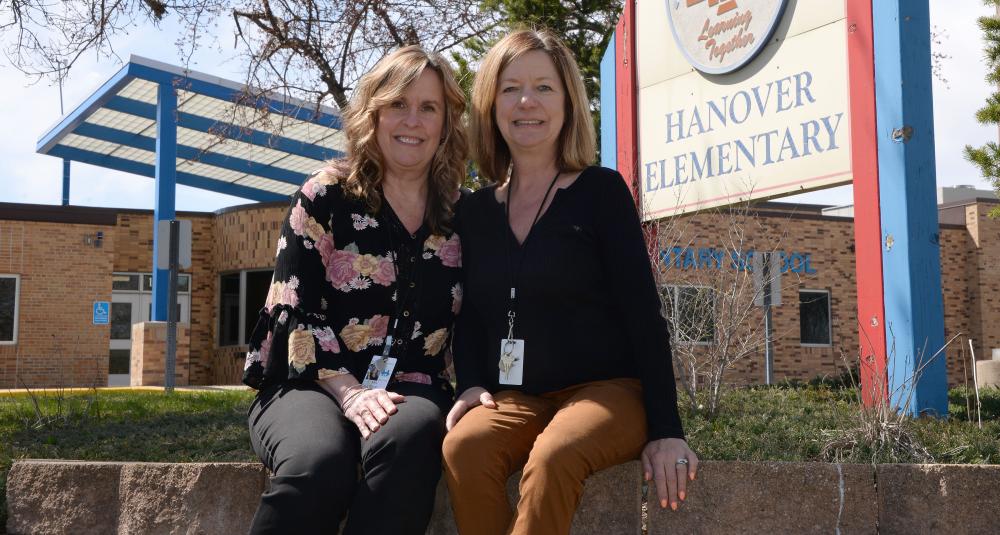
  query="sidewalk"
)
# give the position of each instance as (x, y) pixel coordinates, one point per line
(65, 390)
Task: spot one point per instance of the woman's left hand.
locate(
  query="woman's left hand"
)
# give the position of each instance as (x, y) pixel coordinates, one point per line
(663, 460)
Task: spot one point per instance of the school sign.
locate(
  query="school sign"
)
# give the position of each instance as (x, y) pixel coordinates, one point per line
(707, 103)
(740, 107)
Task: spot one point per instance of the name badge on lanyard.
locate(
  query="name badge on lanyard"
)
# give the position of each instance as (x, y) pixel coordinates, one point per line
(380, 370)
(511, 361)
(512, 349)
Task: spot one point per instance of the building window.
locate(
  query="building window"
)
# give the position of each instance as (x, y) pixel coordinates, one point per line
(129, 282)
(814, 317)
(241, 296)
(183, 283)
(257, 286)
(690, 313)
(229, 309)
(121, 320)
(9, 290)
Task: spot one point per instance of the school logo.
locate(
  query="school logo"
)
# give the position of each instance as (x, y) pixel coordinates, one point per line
(720, 36)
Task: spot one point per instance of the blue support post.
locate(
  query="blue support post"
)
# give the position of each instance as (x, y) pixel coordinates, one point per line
(65, 195)
(911, 260)
(609, 111)
(166, 189)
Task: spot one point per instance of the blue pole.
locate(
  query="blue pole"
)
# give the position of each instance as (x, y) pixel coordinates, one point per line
(911, 260)
(609, 107)
(166, 186)
(65, 195)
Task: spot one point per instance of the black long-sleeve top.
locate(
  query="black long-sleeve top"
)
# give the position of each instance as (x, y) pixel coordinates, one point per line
(587, 306)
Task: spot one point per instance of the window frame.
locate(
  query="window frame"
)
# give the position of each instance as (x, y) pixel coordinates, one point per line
(241, 317)
(675, 291)
(17, 306)
(143, 274)
(829, 316)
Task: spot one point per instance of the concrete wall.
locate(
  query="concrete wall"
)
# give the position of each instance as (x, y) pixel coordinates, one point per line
(54, 497)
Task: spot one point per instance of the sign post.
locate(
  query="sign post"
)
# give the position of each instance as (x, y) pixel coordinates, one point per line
(767, 293)
(178, 254)
(911, 259)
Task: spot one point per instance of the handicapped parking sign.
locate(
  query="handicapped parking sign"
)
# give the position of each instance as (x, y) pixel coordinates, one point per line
(102, 312)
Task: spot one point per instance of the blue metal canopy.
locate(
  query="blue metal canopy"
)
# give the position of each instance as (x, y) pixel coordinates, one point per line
(116, 128)
(184, 127)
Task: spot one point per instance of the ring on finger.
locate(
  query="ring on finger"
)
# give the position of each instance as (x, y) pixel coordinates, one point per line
(682, 461)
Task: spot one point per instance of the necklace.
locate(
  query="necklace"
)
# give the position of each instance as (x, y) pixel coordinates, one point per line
(507, 356)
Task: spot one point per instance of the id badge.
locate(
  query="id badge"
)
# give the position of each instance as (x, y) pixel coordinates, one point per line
(511, 361)
(379, 372)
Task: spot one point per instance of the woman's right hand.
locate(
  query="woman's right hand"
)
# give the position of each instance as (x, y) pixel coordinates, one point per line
(371, 408)
(469, 399)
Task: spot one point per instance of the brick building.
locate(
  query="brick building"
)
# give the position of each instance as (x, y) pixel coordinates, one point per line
(56, 262)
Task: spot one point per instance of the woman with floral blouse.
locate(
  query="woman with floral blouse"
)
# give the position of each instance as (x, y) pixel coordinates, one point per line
(349, 353)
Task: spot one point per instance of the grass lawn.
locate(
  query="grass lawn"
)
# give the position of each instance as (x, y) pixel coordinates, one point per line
(794, 424)
(782, 423)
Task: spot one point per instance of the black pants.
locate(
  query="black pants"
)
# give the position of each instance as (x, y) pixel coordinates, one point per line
(314, 453)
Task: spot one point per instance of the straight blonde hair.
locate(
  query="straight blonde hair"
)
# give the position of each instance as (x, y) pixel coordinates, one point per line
(576, 145)
(364, 166)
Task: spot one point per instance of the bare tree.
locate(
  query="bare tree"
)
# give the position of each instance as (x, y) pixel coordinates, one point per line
(320, 48)
(311, 49)
(704, 268)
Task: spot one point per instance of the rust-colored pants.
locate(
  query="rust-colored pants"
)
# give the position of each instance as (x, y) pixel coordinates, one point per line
(559, 439)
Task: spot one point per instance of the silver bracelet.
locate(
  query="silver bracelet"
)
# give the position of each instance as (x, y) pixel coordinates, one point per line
(352, 396)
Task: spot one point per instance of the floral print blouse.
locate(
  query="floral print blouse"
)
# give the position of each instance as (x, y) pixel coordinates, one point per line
(335, 293)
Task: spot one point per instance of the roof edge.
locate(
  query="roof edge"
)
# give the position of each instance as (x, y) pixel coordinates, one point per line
(228, 84)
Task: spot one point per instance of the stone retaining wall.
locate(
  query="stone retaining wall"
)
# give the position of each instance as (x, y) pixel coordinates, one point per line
(729, 497)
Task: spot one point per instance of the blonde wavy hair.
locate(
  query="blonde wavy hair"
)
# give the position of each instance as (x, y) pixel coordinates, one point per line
(576, 145)
(364, 165)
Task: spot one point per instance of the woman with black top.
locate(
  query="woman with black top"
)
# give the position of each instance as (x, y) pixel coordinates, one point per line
(562, 356)
(349, 352)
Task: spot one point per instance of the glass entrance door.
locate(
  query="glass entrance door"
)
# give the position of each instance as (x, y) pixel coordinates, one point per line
(125, 310)
(131, 302)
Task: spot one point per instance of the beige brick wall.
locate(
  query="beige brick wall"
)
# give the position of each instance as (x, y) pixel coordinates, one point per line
(970, 286)
(149, 354)
(245, 239)
(240, 238)
(985, 272)
(828, 243)
(61, 276)
(227, 365)
(135, 253)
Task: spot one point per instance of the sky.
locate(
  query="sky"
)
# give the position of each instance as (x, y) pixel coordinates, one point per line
(29, 110)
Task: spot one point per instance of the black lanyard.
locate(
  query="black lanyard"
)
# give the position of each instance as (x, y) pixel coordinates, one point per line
(414, 278)
(516, 275)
